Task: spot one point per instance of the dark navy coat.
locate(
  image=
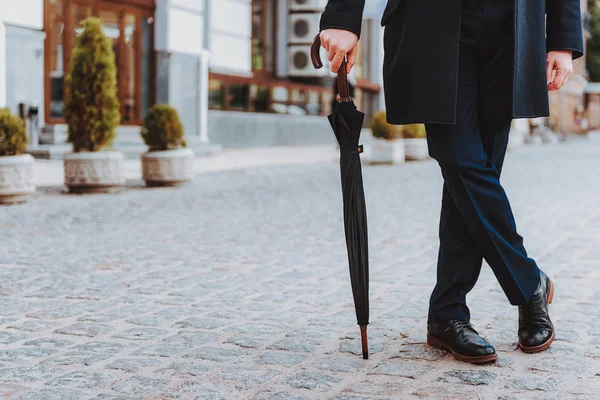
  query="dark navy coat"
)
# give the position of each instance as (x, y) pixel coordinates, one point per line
(421, 42)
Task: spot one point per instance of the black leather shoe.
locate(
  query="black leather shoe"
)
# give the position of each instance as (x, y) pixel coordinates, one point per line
(462, 340)
(536, 332)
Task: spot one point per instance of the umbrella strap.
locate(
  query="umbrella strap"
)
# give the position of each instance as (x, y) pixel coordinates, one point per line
(356, 151)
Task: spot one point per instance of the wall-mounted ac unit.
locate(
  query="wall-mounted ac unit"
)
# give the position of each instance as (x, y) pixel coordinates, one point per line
(300, 64)
(307, 5)
(303, 28)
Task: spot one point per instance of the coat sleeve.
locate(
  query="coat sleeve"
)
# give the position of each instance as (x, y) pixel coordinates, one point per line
(343, 14)
(563, 26)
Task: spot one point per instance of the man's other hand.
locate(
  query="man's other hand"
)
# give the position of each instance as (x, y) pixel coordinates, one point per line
(339, 43)
(559, 66)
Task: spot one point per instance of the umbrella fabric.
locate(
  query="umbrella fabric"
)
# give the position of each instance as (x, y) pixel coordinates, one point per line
(346, 122)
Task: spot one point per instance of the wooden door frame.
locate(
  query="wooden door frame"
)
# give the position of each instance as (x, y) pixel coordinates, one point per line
(140, 9)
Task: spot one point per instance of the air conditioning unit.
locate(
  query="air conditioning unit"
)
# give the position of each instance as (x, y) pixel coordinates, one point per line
(307, 5)
(300, 64)
(303, 28)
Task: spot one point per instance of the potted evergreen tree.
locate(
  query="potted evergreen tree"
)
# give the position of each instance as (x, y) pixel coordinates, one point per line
(167, 161)
(388, 147)
(92, 114)
(416, 141)
(17, 169)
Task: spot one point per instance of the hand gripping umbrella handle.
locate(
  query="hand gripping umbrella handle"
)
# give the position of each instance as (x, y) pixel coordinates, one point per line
(342, 75)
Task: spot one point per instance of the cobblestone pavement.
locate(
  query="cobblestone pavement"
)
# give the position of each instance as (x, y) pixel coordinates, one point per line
(236, 287)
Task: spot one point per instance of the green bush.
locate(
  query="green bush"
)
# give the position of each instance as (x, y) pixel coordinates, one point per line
(92, 106)
(414, 131)
(381, 129)
(13, 139)
(162, 129)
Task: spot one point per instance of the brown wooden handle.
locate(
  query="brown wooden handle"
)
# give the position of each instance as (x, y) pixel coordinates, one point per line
(342, 75)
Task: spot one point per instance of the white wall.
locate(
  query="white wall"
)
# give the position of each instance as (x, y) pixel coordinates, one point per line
(231, 36)
(180, 26)
(27, 13)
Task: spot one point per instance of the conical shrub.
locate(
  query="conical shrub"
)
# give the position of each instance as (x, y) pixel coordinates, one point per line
(92, 106)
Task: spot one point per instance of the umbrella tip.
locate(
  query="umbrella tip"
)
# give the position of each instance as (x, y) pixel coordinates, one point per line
(365, 342)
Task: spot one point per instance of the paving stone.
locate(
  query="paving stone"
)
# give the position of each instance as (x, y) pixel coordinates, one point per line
(81, 380)
(140, 333)
(281, 358)
(402, 368)
(200, 323)
(25, 353)
(152, 320)
(243, 378)
(100, 347)
(161, 350)
(277, 395)
(9, 391)
(448, 392)
(214, 354)
(183, 369)
(258, 328)
(313, 381)
(418, 351)
(141, 385)
(105, 396)
(77, 358)
(468, 377)
(84, 329)
(296, 344)
(337, 364)
(236, 292)
(53, 394)
(545, 385)
(355, 347)
(28, 374)
(33, 326)
(49, 343)
(11, 337)
(249, 341)
(118, 313)
(133, 365)
(192, 338)
(197, 390)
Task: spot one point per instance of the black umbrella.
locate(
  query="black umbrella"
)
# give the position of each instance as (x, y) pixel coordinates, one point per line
(347, 122)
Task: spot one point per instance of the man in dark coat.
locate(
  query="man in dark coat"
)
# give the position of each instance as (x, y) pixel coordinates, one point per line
(466, 68)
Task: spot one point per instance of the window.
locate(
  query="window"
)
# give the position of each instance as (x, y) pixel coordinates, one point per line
(131, 30)
(259, 98)
(238, 96)
(216, 94)
(262, 35)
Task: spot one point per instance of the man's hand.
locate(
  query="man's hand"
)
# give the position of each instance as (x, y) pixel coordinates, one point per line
(559, 66)
(339, 43)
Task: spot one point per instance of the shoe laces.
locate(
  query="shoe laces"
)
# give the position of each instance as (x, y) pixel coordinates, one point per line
(460, 324)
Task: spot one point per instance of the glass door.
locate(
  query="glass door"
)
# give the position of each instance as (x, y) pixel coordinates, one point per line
(131, 30)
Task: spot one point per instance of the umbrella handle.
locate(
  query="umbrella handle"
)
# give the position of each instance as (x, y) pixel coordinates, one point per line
(342, 75)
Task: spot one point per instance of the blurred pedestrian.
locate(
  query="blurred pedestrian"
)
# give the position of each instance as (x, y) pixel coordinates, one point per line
(466, 68)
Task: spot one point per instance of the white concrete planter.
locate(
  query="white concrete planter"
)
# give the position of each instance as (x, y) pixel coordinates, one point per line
(17, 178)
(94, 172)
(387, 151)
(168, 168)
(416, 149)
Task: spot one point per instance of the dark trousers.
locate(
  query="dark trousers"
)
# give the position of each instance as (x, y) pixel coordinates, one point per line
(476, 220)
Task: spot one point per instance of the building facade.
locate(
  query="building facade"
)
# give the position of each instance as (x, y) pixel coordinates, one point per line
(237, 69)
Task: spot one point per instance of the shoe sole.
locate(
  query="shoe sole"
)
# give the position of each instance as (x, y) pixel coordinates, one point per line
(439, 344)
(543, 346)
